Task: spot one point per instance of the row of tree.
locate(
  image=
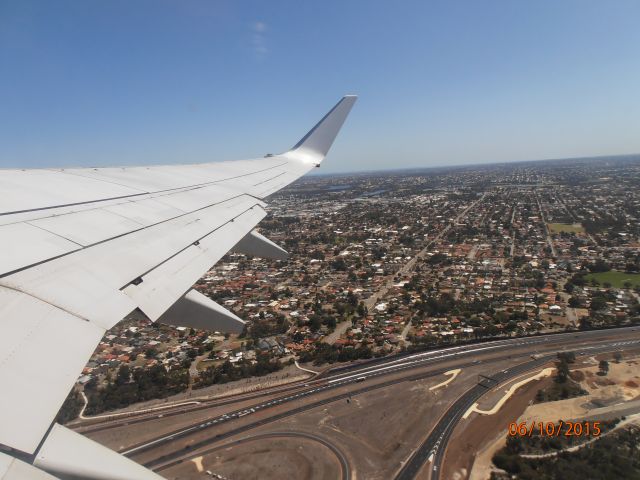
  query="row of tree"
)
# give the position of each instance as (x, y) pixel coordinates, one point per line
(137, 385)
(325, 353)
(229, 372)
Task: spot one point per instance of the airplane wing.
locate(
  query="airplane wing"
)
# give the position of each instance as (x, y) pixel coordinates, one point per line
(82, 248)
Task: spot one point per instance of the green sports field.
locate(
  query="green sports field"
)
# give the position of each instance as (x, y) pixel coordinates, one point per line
(615, 278)
(566, 227)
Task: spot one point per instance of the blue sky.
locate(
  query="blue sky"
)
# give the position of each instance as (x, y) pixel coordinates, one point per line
(440, 82)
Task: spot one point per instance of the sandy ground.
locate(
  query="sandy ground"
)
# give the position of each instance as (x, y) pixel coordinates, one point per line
(485, 434)
(376, 430)
(277, 458)
(508, 393)
(609, 396)
(606, 395)
(379, 429)
(482, 465)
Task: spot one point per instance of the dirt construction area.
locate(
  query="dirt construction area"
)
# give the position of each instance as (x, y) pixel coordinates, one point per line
(373, 432)
(612, 395)
(259, 458)
(477, 431)
(369, 426)
(609, 396)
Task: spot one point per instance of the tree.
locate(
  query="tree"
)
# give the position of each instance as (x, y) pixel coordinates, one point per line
(124, 374)
(137, 385)
(598, 303)
(578, 280)
(315, 322)
(330, 321)
(599, 266)
(585, 323)
(70, 408)
(617, 356)
(339, 264)
(91, 384)
(514, 445)
(569, 357)
(150, 352)
(563, 371)
(604, 367)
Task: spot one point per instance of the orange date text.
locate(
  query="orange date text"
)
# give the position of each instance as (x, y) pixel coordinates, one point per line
(550, 429)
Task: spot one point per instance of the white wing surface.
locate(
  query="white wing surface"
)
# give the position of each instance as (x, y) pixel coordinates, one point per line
(82, 248)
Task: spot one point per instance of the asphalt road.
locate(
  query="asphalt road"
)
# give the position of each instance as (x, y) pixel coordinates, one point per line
(96, 424)
(352, 376)
(435, 445)
(439, 435)
(177, 456)
(138, 417)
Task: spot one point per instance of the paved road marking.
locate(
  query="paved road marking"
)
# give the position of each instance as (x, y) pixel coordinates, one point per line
(198, 463)
(353, 378)
(453, 373)
(474, 408)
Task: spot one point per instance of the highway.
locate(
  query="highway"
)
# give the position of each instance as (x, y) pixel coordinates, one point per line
(106, 422)
(434, 447)
(170, 459)
(353, 378)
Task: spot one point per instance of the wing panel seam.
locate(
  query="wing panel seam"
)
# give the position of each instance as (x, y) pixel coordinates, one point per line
(26, 267)
(187, 187)
(55, 234)
(269, 179)
(193, 241)
(42, 300)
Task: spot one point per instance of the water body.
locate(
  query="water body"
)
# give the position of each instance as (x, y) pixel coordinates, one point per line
(374, 193)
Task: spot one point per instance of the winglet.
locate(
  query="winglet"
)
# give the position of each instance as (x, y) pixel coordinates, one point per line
(313, 147)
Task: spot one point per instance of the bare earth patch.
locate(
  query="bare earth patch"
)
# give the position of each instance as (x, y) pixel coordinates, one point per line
(277, 458)
(486, 432)
(618, 393)
(577, 376)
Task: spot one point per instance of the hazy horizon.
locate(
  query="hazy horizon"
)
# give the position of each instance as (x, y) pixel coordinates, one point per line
(634, 156)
